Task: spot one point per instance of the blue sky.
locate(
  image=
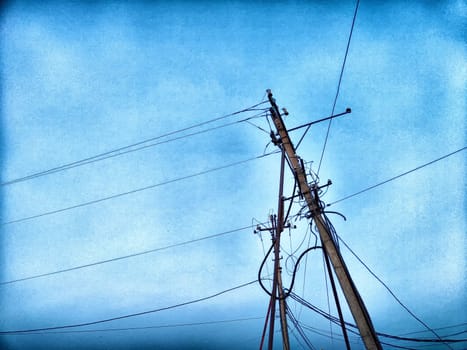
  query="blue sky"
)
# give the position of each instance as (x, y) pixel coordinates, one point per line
(83, 78)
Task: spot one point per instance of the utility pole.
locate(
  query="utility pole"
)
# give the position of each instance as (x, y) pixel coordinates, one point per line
(277, 289)
(277, 293)
(278, 271)
(353, 298)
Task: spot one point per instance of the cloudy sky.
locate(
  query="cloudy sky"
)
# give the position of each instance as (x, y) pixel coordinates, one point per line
(81, 79)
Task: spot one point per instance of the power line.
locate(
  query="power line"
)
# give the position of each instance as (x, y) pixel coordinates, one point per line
(440, 328)
(97, 159)
(336, 320)
(176, 325)
(326, 334)
(135, 190)
(398, 176)
(130, 148)
(128, 315)
(392, 293)
(397, 346)
(422, 340)
(339, 84)
(299, 328)
(127, 256)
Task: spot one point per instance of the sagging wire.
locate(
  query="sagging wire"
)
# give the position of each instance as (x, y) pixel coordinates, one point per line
(298, 327)
(137, 146)
(330, 226)
(352, 328)
(301, 215)
(306, 265)
(259, 232)
(332, 230)
(288, 290)
(326, 221)
(290, 260)
(292, 254)
(324, 333)
(299, 342)
(260, 279)
(257, 126)
(266, 147)
(311, 173)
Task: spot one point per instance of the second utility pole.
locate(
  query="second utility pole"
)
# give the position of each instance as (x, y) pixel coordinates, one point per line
(277, 289)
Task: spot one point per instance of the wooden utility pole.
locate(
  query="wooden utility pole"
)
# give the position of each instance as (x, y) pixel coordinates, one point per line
(353, 298)
(277, 289)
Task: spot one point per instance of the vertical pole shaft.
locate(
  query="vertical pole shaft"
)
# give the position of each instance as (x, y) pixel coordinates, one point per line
(283, 315)
(265, 325)
(277, 290)
(280, 229)
(274, 287)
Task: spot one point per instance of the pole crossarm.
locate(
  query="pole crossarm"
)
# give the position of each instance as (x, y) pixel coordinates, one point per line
(310, 195)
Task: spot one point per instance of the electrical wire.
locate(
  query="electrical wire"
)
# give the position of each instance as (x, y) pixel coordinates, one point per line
(289, 290)
(176, 325)
(126, 256)
(454, 334)
(304, 253)
(260, 278)
(254, 125)
(299, 342)
(97, 159)
(261, 239)
(385, 335)
(329, 226)
(324, 333)
(422, 340)
(390, 291)
(439, 328)
(298, 327)
(130, 148)
(327, 297)
(396, 346)
(128, 315)
(311, 329)
(136, 190)
(398, 176)
(306, 265)
(292, 253)
(339, 84)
